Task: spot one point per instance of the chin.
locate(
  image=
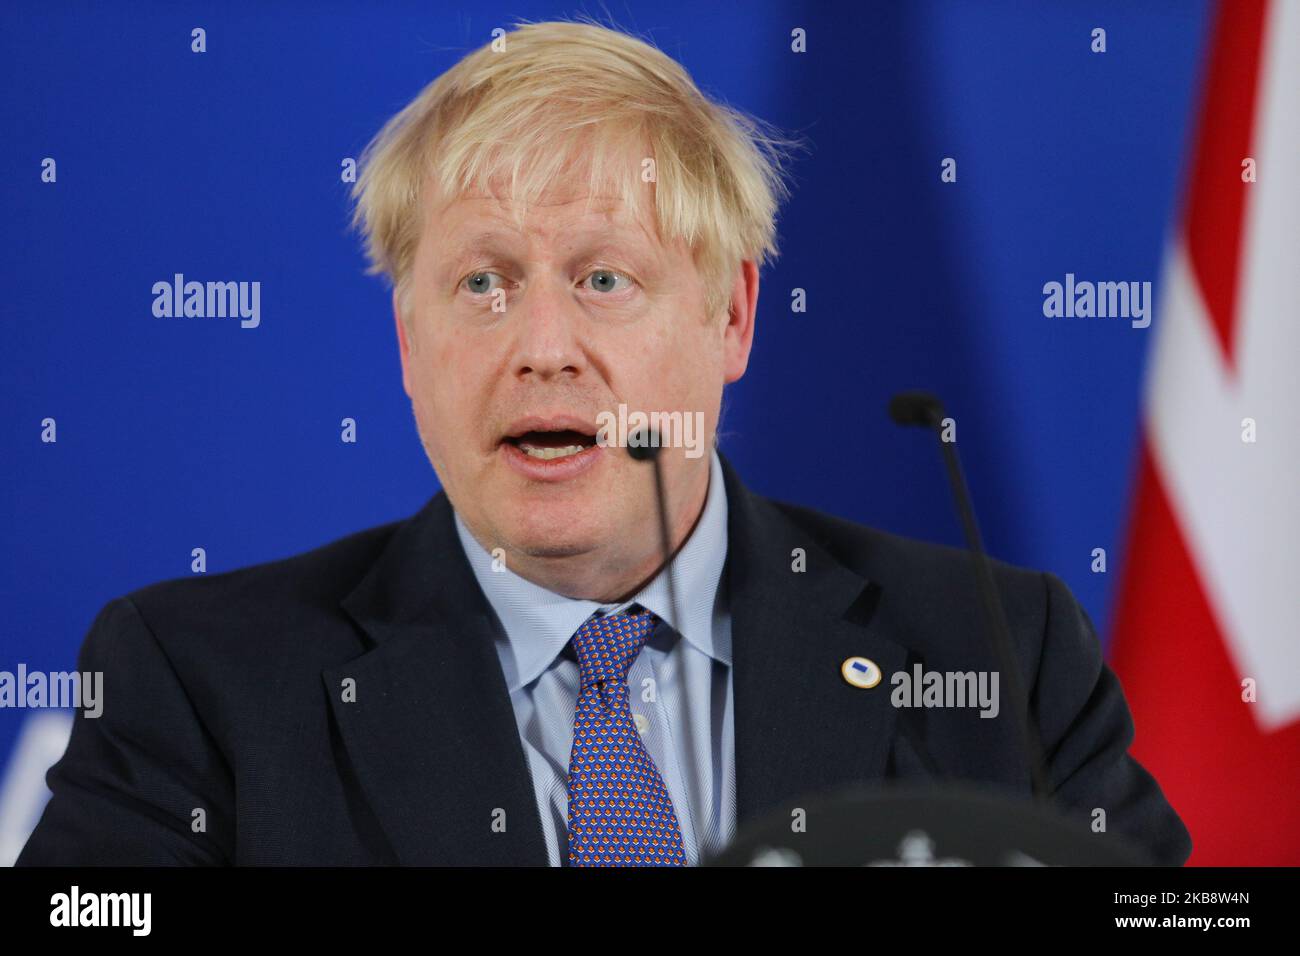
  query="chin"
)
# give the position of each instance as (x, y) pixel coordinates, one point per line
(555, 529)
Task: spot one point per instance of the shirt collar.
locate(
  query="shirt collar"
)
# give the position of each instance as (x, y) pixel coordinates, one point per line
(538, 623)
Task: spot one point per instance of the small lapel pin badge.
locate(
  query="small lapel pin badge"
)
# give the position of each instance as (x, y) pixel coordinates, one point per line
(860, 672)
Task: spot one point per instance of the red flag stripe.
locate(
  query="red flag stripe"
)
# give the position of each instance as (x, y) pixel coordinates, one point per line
(1217, 197)
(1233, 786)
(1232, 782)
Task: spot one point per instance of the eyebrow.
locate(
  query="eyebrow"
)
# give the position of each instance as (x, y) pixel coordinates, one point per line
(483, 243)
(498, 243)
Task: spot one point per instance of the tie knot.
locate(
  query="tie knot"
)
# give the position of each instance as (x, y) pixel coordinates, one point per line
(607, 645)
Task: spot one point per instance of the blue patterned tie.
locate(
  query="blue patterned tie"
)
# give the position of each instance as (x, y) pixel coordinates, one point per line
(620, 813)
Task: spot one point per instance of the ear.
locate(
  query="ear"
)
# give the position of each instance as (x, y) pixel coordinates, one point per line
(738, 337)
(403, 344)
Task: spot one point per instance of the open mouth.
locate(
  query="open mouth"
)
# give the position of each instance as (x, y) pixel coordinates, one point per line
(549, 445)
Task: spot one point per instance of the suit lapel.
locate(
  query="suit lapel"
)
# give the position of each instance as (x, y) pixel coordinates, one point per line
(431, 733)
(800, 727)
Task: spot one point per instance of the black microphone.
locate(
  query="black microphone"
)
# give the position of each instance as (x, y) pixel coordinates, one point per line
(924, 409)
(644, 446)
(916, 408)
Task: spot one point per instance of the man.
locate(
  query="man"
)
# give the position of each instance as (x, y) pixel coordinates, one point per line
(574, 235)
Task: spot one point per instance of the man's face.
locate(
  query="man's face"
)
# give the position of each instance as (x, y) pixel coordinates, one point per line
(594, 312)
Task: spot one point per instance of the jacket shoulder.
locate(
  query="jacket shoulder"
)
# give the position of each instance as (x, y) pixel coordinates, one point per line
(277, 609)
(885, 557)
(925, 587)
(319, 577)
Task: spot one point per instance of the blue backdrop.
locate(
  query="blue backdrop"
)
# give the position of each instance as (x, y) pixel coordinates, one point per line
(225, 165)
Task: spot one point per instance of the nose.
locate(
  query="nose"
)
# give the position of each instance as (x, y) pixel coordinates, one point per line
(547, 339)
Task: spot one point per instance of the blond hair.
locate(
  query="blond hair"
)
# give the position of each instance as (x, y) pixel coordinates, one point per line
(561, 93)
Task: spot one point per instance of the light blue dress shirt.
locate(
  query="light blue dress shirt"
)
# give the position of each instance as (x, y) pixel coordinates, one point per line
(681, 687)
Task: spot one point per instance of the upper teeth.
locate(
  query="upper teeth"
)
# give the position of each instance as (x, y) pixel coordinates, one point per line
(548, 453)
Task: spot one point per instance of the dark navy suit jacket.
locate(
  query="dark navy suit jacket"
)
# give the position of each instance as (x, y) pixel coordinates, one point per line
(225, 694)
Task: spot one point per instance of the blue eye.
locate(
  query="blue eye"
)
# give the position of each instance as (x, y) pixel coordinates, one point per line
(607, 280)
(479, 282)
